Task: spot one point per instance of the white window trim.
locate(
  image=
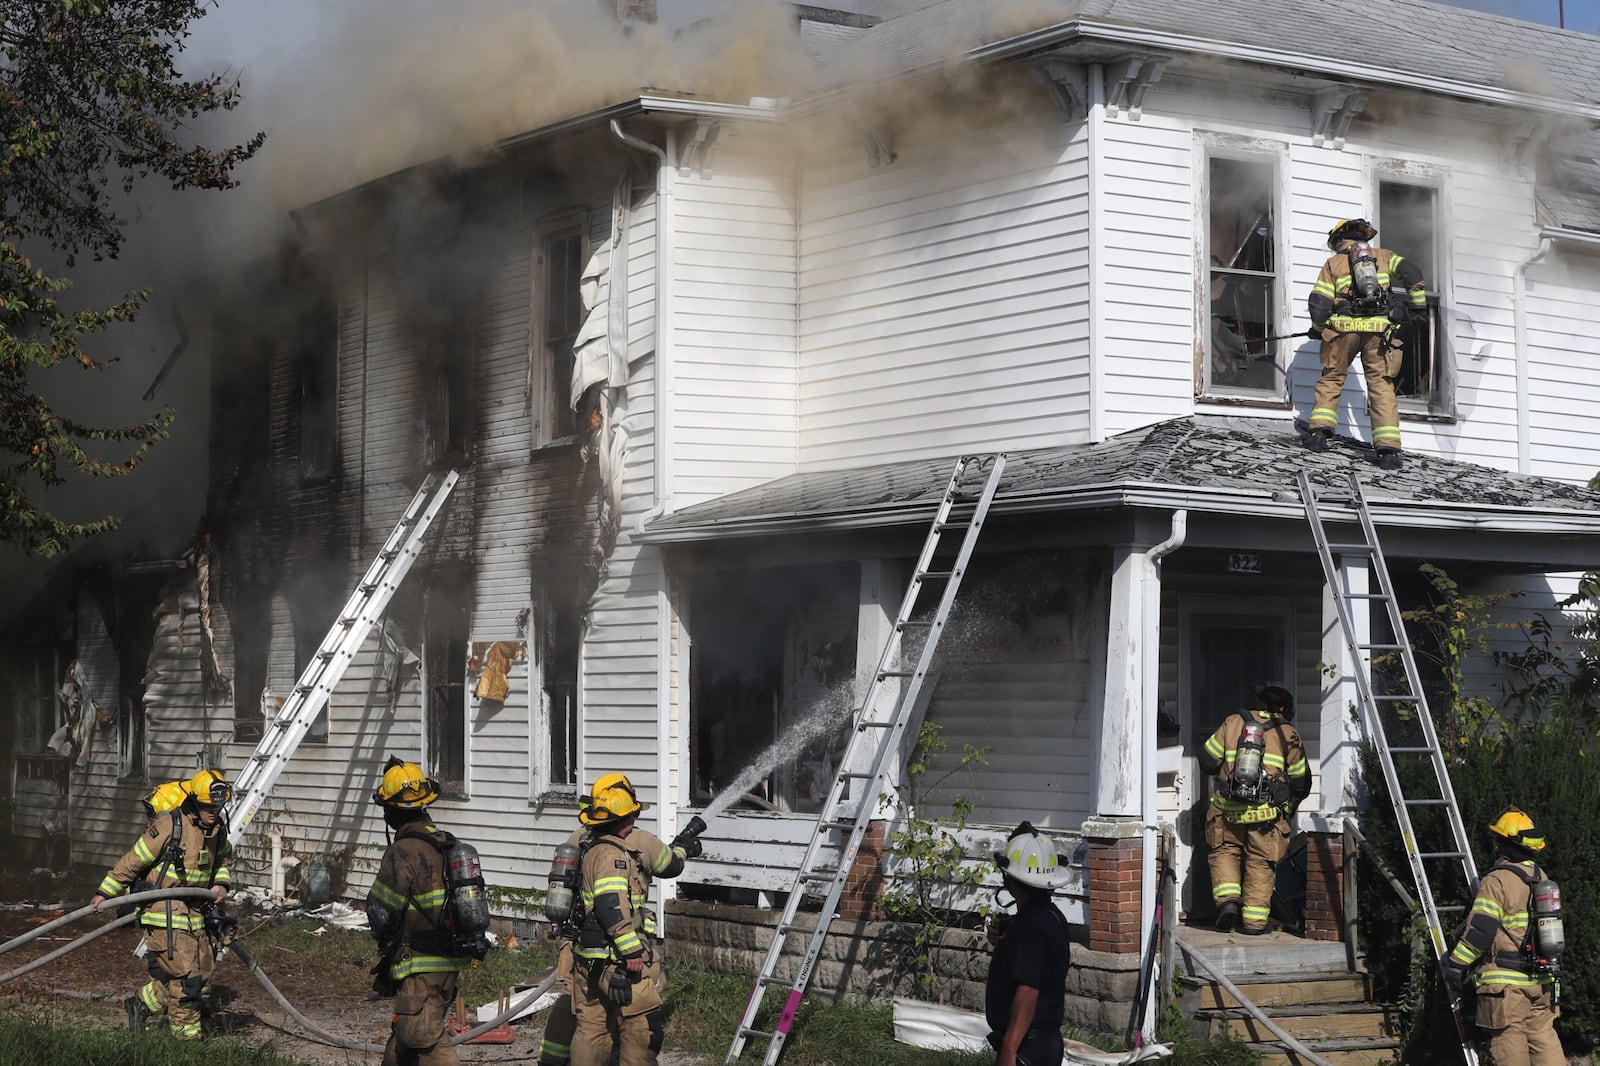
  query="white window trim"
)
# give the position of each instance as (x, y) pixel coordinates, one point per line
(540, 368)
(1404, 172)
(1209, 145)
(467, 698)
(541, 788)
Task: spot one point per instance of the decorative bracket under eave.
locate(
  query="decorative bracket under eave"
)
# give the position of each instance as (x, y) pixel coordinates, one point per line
(1331, 112)
(1068, 84)
(701, 149)
(1129, 78)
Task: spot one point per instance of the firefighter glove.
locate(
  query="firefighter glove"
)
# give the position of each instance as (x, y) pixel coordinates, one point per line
(619, 990)
(1279, 792)
(1315, 332)
(1455, 978)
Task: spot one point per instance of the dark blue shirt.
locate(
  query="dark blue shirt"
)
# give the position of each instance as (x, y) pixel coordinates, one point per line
(1032, 952)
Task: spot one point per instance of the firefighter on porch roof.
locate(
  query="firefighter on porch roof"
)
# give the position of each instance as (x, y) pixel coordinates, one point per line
(1262, 775)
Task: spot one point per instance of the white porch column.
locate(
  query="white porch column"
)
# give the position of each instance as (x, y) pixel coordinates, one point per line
(1341, 733)
(1116, 771)
(881, 593)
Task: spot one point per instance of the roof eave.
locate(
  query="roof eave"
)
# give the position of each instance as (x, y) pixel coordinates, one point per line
(1340, 69)
(1278, 504)
(1571, 236)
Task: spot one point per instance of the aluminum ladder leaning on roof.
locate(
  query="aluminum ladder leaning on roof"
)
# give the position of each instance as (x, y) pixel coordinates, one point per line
(1386, 713)
(361, 611)
(878, 736)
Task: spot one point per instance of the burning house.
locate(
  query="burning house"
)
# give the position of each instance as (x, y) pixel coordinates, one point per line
(703, 364)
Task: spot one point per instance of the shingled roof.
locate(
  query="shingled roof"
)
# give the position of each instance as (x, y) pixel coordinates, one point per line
(1200, 462)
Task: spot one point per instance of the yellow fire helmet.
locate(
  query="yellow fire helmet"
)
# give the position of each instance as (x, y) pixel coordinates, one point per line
(611, 798)
(405, 786)
(1351, 229)
(209, 789)
(1517, 829)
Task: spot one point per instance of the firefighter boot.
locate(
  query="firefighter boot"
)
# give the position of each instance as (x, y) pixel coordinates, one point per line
(1228, 916)
(138, 1014)
(1388, 459)
(1317, 440)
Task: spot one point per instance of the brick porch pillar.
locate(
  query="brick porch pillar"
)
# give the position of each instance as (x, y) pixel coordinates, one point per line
(859, 899)
(1116, 850)
(1324, 906)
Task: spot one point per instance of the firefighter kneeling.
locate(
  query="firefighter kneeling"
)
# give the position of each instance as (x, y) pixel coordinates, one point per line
(612, 975)
(1263, 773)
(1511, 948)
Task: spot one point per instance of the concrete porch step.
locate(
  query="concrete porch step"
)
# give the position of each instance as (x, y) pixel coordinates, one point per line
(1264, 991)
(1341, 1021)
(1369, 1051)
(1277, 953)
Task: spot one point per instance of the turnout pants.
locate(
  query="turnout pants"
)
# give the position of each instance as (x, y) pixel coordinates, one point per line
(417, 1036)
(636, 1031)
(1518, 1025)
(1244, 859)
(1380, 363)
(555, 1047)
(177, 983)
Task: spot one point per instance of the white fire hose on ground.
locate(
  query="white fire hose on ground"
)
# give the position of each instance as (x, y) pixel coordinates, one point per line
(512, 1010)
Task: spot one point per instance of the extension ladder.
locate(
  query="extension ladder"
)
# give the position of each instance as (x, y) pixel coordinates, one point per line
(316, 683)
(885, 736)
(1384, 713)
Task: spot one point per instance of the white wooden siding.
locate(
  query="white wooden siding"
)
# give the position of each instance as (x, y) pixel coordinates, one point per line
(943, 297)
(1564, 366)
(734, 319)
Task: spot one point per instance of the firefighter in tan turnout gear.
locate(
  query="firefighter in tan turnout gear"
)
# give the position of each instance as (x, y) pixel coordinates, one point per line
(183, 848)
(616, 976)
(1262, 774)
(1360, 298)
(425, 932)
(1510, 949)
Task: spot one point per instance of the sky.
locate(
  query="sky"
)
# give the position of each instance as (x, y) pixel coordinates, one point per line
(1580, 15)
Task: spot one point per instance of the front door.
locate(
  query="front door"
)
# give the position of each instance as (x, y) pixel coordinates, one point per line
(1225, 654)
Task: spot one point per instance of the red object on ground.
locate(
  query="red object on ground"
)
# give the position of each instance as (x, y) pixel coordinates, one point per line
(500, 1034)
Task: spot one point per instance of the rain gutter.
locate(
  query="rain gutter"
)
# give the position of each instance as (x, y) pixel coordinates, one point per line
(1255, 503)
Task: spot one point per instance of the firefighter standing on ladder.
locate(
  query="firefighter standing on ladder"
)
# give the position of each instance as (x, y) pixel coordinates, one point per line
(1360, 298)
(184, 848)
(1261, 764)
(615, 980)
(1511, 947)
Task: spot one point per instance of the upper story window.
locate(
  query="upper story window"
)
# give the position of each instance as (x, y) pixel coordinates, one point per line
(1244, 289)
(559, 256)
(1408, 225)
(447, 349)
(317, 374)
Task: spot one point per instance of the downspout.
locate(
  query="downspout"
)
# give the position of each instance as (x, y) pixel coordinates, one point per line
(1519, 317)
(1094, 124)
(1149, 696)
(666, 813)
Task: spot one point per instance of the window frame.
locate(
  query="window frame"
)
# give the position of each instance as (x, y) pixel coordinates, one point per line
(1209, 147)
(547, 614)
(551, 420)
(1439, 404)
(447, 598)
(316, 368)
(307, 638)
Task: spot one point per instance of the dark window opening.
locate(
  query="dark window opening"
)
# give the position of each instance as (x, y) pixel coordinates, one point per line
(560, 263)
(447, 611)
(773, 655)
(252, 631)
(1243, 279)
(312, 619)
(317, 368)
(132, 630)
(1408, 217)
(448, 352)
(559, 617)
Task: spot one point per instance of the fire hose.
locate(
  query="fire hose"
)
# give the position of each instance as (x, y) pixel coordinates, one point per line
(512, 1009)
(1250, 1008)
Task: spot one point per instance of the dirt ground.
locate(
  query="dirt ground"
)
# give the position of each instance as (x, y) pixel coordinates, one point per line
(87, 986)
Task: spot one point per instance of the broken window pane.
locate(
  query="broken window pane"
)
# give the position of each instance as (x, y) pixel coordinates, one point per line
(447, 362)
(1242, 280)
(772, 682)
(559, 266)
(317, 367)
(1408, 226)
(447, 610)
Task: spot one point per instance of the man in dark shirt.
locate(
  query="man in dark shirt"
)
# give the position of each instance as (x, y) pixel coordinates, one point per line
(1027, 986)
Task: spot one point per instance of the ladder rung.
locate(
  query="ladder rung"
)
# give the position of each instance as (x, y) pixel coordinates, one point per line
(1335, 497)
(1364, 595)
(836, 823)
(936, 574)
(857, 773)
(818, 875)
(326, 655)
(1380, 647)
(1347, 549)
(1393, 698)
(1441, 854)
(874, 725)
(1451, 908)
(756, 1032)
(915, 624)
(897, 673)
(783, 982)
(1441, 802)
(1411, 751)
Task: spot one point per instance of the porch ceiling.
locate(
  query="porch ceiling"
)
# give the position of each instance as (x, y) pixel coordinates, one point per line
(1234, 466)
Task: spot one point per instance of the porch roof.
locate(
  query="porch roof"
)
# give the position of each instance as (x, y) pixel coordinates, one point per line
(1240, 466)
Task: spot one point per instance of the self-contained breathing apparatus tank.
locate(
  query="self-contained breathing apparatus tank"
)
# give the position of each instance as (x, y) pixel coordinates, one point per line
(1367, 294)
(563, 886)
(1248, 761)
(1548, 935)
(469, 901)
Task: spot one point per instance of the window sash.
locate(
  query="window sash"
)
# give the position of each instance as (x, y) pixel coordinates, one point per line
(1244, 300)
